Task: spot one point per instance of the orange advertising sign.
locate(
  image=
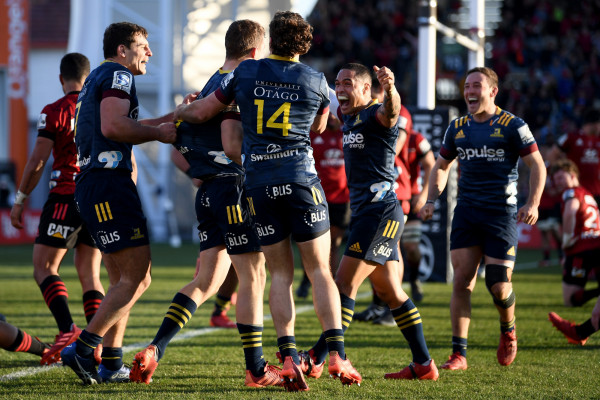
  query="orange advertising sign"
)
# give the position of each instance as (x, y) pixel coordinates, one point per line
(14, 49)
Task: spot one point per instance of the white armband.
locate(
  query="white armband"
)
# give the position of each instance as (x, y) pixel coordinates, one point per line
(20, 197)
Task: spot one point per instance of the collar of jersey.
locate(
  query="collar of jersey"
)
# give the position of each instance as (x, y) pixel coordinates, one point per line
(372, 103)
(106, 61)
(222, 71)
(281, 58)
(498, 112)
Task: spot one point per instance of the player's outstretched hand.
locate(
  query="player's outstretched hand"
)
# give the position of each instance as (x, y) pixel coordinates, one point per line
(167, 132)
(385, 77)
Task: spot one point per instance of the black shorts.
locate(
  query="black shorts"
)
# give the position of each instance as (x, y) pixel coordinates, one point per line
(292, 208)
(494, 231)
(375, 230)
(339, 215)
(577, 267)
(224, 217)
(61, 225)
(111, 208)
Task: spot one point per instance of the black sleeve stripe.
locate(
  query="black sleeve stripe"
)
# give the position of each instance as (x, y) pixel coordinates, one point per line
(47, 134)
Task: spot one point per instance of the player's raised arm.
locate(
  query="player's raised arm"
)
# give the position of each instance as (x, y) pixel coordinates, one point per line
(390, 109)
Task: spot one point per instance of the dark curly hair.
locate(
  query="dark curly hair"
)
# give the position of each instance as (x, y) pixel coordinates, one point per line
(290, 34)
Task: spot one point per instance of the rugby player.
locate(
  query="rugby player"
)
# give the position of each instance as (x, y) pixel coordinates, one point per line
(60, 228)
(281, 100)
(106, 128)
(581, 244)
(581, 234)
(225, 227)
(370, 135)
(488, 143)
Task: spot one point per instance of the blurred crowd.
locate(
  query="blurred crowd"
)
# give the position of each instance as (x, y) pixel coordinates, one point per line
(546, 53)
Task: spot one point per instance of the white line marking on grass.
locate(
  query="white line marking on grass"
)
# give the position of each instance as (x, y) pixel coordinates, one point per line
(136, 346)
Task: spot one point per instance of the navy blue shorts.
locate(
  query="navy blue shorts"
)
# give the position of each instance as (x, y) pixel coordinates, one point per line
(224, 217)
(375, 231)
(495, 232)
(109, 204)
(61, 225)
(339, 214)
(292, 208)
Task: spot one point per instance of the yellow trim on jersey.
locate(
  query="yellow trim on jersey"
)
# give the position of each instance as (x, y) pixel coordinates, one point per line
(281, 58)
(505, 119)
(372, 103)
(460, 121)
(222, 71)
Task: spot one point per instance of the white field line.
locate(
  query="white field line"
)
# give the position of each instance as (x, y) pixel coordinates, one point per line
(136, 346)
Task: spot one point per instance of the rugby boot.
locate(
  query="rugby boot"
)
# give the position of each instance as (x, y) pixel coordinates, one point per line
(567, 328)
(343, 370)
(507, 348)
(416, 371)
(144, 365)
(293, 378)
(272, 377)
(455, 362)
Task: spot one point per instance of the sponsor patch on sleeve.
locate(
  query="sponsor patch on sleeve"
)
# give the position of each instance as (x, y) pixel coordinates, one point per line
(226, 80)
(525, 134)
(41, 121)
(122, 80)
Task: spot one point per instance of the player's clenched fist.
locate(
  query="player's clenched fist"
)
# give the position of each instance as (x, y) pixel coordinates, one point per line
(167, 132)
(385, 77)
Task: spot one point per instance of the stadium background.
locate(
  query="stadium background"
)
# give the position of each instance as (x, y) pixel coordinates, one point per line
(545, 53)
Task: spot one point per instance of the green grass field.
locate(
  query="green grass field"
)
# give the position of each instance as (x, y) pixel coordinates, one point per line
(208, 363)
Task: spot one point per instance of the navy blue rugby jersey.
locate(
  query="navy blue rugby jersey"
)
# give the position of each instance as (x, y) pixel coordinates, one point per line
(488, 153)
(278, 100)
(201, 144)
(369, 152)
(93, 149)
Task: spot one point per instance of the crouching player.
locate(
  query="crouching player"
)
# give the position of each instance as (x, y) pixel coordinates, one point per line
(581, 244)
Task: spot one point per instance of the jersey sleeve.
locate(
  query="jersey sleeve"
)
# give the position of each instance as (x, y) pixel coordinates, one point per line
(324, 93)
(405, 120)
(525, 141)
(119, 86)
(564, 142)
(232, 111)
(422, 145)
(448, 150)
(48, 124)
(568, 195)
(226, 91)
